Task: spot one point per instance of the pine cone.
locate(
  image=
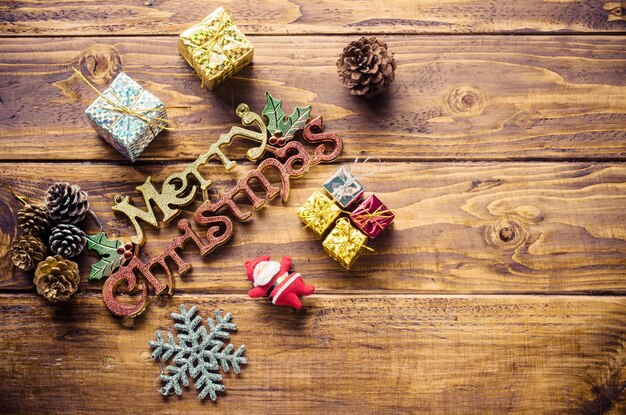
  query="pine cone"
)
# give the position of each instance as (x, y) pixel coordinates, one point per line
(366, 67)
(33, 220)
(27, 251)
(56, 278)
(67, 240)
(66, 203)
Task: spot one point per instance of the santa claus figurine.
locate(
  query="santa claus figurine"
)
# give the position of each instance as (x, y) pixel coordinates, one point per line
(273, 279)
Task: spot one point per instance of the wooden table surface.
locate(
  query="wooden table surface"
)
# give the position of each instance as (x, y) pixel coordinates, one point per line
(500, 289)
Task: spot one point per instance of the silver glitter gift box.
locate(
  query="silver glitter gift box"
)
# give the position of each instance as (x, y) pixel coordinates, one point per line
(127, 116)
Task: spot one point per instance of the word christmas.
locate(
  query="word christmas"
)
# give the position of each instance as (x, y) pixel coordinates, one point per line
(290, 159)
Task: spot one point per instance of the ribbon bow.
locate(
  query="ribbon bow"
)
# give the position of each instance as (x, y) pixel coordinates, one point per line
(314, 211)
(344, 237)
(348, 174)
(363, 218)
(141, 113)
(223, 25)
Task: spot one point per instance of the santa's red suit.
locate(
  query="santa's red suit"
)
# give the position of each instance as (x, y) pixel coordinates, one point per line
(273, 279)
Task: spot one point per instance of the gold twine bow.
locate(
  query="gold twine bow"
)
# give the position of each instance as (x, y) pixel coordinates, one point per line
(345, 237)
(141, 114)
(216, 35)
(313, 212)
(365, 217)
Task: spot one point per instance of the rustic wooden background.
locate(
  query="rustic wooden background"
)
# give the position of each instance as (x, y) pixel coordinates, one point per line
(501, 288)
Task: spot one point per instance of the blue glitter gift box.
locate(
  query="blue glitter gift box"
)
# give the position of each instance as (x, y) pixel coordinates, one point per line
(127, 116)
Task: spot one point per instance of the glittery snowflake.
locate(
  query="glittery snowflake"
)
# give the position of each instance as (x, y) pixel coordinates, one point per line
(198, 353)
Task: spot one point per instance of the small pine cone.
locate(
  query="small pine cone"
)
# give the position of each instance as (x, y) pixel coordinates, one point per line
(56, 278)
(366, 67)
(33, 220)
(67, 240)
(27, 251)
(66, 203)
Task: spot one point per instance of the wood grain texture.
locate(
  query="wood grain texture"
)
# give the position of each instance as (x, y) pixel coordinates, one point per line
(459, 228)
(138, 17)
(460, 98)
(342, 354)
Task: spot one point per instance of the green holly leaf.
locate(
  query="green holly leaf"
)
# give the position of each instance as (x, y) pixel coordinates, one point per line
(110, 259)
(278, 122)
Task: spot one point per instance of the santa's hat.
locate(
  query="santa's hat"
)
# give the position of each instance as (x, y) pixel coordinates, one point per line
(261, 270)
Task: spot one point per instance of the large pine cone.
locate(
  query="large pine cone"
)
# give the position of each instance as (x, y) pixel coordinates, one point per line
(56, 278)
(67, 240)
(66, 203)
(27, 251)
(33, 220)
(366, 67)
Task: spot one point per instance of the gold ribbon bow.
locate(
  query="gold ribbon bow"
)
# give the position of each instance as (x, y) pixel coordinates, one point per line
(363, 218)
(141, 114)
(312, 212)
(344, 236)
(216, 35)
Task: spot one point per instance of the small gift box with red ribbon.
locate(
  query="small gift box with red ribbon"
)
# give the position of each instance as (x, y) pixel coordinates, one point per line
(372, 217)
(215, 48)
(344, 187)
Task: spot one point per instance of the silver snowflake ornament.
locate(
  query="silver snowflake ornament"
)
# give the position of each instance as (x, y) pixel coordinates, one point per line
(197, 353)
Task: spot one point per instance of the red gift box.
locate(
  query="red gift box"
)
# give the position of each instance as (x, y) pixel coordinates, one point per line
(372, 217)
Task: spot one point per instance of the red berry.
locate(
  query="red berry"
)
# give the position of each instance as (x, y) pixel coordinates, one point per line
(128, 254)
(128, 246)
(120, 250)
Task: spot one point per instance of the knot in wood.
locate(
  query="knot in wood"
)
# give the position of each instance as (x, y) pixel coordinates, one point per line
(100, 63)
(466, 100)
(507, 234)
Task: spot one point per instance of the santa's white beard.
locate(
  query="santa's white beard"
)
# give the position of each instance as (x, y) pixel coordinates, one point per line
(264, 271)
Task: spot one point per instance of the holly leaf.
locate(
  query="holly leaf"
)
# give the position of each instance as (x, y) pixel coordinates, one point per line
(110, 259)
(278, 122)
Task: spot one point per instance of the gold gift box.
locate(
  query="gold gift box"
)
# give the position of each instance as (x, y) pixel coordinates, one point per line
(215, 48)
(318, 212)
(345, 243)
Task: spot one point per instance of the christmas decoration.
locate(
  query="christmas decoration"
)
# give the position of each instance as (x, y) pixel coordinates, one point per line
(56, 278)
(281, 127)
(126, 116)
(27, 251)
(344, 187)
(111, 255)
(345, 243)
(290, 160)
(66, 203)
(274, 280)
(372, 217)
(67, 240)
(198, 353)
(215, 48)
(33, 220)
(365, 67)
(318, 212)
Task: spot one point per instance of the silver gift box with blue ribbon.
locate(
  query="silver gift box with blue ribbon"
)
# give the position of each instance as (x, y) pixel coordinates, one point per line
(127, 116)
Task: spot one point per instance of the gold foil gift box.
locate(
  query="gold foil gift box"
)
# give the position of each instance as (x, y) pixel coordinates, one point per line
(215, 48)
(318, 212)
(345, 243)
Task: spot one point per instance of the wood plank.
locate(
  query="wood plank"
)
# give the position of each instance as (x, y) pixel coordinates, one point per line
(66, 17)
(356, 354)
(460, 228)
(469, 98)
